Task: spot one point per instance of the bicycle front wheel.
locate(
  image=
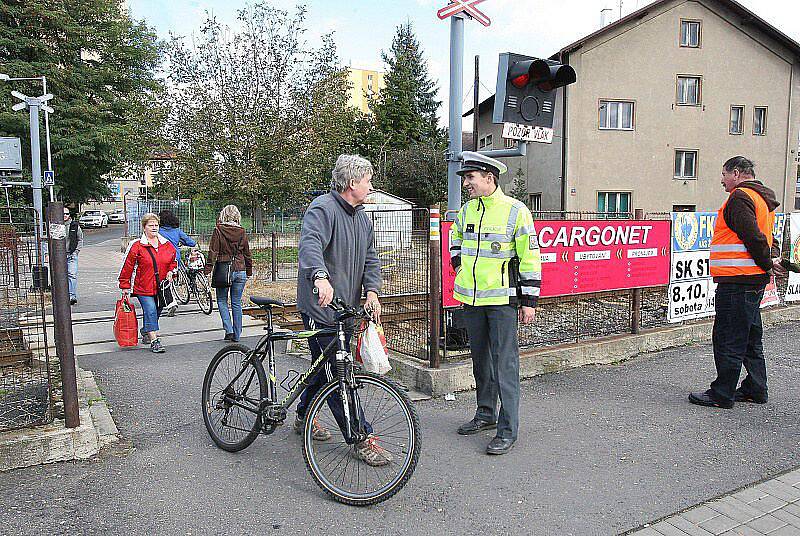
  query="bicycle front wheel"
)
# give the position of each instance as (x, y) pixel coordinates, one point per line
(203, 293)
(371, 472)
(233, 388)
(181, 287)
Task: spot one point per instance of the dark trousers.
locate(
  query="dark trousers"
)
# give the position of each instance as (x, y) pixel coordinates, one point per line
(737, 340)
(495, 363)
(326, 374)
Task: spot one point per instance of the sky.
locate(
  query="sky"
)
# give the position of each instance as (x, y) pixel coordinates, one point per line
(364, 28)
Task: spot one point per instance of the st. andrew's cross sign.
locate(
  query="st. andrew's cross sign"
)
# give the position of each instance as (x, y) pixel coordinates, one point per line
(468, 7)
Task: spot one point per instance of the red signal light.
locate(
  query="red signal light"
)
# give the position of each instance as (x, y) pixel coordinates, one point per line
(521, 81)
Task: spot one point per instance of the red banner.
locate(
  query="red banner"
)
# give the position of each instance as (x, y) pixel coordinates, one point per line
(589, 256)
(594, 256)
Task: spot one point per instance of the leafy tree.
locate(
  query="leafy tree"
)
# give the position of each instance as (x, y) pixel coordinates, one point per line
(100, 66)
(256, 113)
(418, 173)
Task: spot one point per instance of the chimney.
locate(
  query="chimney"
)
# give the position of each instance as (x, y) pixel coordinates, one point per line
(605, 17)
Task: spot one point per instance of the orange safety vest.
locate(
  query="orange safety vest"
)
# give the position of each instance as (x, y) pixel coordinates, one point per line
(729, 257)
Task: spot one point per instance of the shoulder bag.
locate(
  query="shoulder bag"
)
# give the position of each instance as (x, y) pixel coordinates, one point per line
(222, 274)
(165, 297)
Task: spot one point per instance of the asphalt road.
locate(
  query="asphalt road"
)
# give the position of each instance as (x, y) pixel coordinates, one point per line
(93, 236)
(602, 450)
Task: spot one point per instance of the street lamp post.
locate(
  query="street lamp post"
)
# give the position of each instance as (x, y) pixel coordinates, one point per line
(43, 80)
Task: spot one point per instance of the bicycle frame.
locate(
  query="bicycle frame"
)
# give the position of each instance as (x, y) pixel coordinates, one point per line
(275, 411)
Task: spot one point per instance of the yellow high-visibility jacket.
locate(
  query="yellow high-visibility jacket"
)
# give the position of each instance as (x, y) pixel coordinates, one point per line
(495, 251)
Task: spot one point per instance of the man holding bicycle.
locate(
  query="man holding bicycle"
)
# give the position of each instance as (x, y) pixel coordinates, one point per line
(336, 255)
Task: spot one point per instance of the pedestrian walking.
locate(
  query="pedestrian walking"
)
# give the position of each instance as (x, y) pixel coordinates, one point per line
(74, 245)
(229, 245)
(152, 258)
(337, 256)
(742, 258)
(170, 228)
(495, 251)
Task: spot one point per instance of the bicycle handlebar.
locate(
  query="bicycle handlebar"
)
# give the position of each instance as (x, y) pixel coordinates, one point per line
(344, 310)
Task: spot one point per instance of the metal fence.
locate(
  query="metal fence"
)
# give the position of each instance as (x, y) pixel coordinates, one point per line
(26, 390)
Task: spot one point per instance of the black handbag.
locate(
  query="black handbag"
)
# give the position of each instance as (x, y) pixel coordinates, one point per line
(165, 295)
(222, 274)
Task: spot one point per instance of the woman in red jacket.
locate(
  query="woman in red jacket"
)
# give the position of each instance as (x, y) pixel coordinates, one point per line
(153, 257)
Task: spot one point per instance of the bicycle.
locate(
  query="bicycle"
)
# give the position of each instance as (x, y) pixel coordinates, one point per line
(190, 280)
(240, 401)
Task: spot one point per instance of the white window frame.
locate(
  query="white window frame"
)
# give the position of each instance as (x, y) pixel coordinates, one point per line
(617, 105)
(681, 175)
(741, 109)
(481, 143)
(509, 143)
(688, 44)
(489, 140)
(763, 131)
(535, 201)
(682, 99)
(617, 211)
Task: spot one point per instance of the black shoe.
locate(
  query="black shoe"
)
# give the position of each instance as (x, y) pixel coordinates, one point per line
(475, 425)
(229, 336)
(73, 301)
(156, 347)
(499, 445)
(741, 396)
(705, 399)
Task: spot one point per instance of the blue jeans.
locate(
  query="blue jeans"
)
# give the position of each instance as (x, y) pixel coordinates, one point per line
(238, 280)
(150, 313)
(72, 275)
(737, 340)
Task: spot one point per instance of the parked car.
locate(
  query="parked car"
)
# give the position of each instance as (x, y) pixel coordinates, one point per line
(94, 218)
(116, 217)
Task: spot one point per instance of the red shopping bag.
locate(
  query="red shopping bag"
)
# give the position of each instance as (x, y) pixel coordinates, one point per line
(126, 328)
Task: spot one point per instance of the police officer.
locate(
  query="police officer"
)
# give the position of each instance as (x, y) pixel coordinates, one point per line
(495, 252)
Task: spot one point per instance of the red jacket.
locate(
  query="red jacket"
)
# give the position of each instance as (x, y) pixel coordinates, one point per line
(139, 258)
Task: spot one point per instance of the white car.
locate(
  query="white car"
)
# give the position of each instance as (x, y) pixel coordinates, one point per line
(94, 218)
(116, 217)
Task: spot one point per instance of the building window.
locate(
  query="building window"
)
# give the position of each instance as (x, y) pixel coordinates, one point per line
(614, 203)
(759, 121)
(690, 33)
(488, 140)
(685, 164)
(737, 120)
(509, 143)
(616, 115)
(535, 202)
(797, 203)
(689, 90)
(481, 143)
(684, 208)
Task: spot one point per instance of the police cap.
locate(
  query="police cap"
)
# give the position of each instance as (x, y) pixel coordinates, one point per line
(477, 162)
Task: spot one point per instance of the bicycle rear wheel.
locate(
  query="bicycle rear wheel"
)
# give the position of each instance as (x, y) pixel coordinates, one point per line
(233, 388)
(181, 286)
(393, 425)
(202, 293)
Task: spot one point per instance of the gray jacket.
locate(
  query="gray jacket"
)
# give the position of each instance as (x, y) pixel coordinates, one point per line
(336, 239)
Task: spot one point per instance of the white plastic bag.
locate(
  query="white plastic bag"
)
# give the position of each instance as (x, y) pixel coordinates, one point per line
(371, 350)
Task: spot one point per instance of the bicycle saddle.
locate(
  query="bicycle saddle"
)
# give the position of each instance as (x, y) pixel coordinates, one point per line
(265, 302)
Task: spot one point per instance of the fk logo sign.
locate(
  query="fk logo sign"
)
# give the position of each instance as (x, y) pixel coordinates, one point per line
(468, 7)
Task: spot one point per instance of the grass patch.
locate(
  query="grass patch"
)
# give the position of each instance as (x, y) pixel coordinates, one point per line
(282, 254)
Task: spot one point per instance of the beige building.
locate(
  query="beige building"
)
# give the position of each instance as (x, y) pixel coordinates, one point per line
(663, 97)
(364, 86)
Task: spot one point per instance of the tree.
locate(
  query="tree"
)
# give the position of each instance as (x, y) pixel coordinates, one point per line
(100, 65)
(405, 110)
(519, 187)
(256, 114)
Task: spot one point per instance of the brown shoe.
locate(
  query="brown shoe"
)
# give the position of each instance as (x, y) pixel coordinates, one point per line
(318, 432)
(371, 453)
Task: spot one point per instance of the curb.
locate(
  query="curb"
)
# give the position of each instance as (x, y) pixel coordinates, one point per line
(457, 376)
(54, 442)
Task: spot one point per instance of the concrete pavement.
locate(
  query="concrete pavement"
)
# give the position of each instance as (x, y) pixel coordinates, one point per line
(602, 450)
